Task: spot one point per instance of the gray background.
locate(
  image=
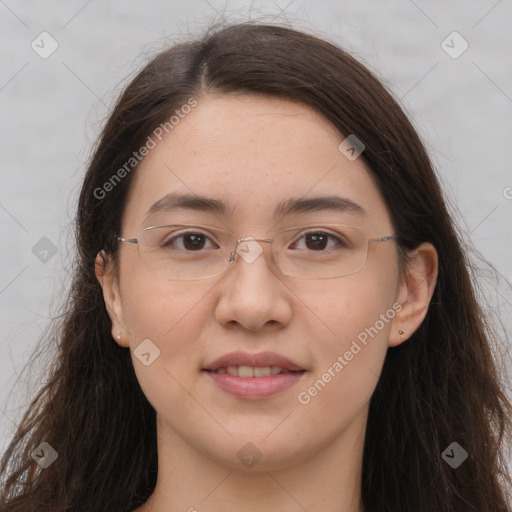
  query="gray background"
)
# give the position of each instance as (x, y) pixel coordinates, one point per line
(53, 109)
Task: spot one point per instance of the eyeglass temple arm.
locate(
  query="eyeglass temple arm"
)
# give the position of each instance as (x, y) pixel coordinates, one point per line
(134, 241)
(386, 238)
(127, 240)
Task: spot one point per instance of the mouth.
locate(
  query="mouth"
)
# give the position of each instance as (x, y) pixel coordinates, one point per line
(262, 361)
(249, 372)
(254, 387)
(254, 376)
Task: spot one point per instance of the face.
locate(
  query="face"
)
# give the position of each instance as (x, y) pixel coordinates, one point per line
(252, 154)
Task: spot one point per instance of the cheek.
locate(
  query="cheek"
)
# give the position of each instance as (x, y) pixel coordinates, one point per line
(356, 317)
(357, 307)
(151, 307)
(171, 316)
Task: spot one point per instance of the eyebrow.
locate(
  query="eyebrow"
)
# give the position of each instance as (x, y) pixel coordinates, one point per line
(174, 201)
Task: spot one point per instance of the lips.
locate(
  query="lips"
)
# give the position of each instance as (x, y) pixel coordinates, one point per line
(261, 375)
(248, 372)
(259, 360)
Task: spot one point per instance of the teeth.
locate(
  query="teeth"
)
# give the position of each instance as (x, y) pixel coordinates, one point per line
(274, 370)
(262, 372)
(250, 371)
(232, 370)
(245, 371)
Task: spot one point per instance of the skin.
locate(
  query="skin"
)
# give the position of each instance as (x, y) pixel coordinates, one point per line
(252, 153)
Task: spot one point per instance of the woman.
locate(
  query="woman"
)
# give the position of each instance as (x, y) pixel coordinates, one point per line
(261, 228)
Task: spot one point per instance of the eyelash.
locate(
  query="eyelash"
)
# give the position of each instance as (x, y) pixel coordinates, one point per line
(339, 241)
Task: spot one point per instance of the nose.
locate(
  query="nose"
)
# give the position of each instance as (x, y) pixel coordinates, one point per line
(253, 294)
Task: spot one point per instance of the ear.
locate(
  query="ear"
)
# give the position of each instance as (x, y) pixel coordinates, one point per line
(112, 297)
(415, 293)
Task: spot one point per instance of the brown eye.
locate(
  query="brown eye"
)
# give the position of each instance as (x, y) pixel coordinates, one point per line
(189, 241)
(317, 241)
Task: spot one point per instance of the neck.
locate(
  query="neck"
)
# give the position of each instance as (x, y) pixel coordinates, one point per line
(328, 480)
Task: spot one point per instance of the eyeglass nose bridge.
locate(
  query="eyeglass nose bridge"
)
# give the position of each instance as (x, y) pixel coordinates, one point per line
(234, 253)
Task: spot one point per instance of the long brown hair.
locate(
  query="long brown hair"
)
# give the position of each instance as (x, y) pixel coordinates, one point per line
(439, 387)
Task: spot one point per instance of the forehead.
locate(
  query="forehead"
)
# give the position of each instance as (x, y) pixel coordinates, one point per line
(253, 154)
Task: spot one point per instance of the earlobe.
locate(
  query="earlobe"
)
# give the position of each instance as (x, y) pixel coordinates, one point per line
(415, 293)
(111, 295)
